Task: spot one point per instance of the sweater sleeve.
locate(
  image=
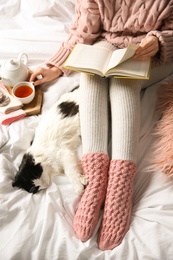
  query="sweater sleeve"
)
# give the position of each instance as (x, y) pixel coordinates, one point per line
(165, 54)
(165, 37)
(86, 29)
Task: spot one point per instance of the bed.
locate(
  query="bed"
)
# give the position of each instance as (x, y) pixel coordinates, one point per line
(39, 227)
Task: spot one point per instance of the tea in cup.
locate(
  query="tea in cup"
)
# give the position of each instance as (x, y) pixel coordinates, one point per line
(24, 91)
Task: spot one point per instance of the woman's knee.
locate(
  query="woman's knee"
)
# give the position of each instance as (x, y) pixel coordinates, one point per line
(125, 85)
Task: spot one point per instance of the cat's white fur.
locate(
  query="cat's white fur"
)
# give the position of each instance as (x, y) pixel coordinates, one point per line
(55, 146)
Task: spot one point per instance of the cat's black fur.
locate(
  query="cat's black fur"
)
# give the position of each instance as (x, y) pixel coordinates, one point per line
(28, 171)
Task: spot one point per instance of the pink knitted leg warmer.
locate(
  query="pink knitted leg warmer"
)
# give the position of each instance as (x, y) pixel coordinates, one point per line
(118, 204)
(95, 166)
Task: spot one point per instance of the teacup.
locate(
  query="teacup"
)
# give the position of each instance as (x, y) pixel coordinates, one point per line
(24, 91)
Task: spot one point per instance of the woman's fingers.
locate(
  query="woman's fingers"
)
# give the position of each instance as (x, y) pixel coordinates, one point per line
(148, 52)
(37, 75)
(43, 75)
(149, 47)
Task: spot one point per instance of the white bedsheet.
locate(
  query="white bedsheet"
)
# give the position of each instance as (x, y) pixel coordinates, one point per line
(39, 227)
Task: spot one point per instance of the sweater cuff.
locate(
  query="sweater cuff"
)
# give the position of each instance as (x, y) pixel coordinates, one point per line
(165, 53)
(58, 60)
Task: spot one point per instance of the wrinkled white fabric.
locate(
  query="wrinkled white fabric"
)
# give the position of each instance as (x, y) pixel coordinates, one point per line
(40, 226)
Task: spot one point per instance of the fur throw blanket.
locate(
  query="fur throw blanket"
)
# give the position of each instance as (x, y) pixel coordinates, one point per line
(163, 148)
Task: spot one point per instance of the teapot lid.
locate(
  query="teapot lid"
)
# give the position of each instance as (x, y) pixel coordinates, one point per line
(12, 64)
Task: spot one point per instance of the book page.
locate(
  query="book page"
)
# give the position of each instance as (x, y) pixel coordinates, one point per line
(133, 68)
(88, 57)
(121, 55)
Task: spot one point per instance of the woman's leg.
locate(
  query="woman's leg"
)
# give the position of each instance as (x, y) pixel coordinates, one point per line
(95, 160)
(157, 74)
(125, 106)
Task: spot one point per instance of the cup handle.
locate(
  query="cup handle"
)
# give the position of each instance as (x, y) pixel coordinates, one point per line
(23, 56)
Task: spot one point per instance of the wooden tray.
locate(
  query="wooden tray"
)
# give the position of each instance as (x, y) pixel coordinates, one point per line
(33, 108)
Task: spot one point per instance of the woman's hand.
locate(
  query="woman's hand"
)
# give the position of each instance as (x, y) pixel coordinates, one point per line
(148, 47)
(43, 75)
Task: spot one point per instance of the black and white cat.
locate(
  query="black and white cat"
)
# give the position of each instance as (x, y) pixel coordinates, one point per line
(54, 150)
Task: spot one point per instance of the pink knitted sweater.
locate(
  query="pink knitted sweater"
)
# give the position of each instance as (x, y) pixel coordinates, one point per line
(120, 22)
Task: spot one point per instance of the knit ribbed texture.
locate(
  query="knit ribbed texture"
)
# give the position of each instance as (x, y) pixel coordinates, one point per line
(165, 46)
(95, 166)
(94, 113)
(118, 204)
(125, 111)
(59, 58)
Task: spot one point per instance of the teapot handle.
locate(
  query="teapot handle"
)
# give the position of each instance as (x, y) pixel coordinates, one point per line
(23, 56)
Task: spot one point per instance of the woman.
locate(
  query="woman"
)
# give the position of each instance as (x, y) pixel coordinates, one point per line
(114, 23)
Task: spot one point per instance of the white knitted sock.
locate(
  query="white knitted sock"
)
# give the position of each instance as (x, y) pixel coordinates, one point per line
(94, 113)
(125, 110)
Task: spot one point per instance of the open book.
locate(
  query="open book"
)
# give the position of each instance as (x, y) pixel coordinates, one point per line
(105, 63)
(7, 102)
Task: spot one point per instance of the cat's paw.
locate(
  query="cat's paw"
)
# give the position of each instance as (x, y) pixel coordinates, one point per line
(80, 184)
(83, 179)
(79, 188)
(41, 183)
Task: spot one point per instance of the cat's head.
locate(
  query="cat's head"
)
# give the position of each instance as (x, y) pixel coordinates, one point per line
(28, 175)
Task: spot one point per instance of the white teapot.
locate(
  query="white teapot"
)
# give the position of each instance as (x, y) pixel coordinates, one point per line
(14, 70)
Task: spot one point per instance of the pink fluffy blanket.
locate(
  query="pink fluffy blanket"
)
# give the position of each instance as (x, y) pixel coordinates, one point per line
(163, 148)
